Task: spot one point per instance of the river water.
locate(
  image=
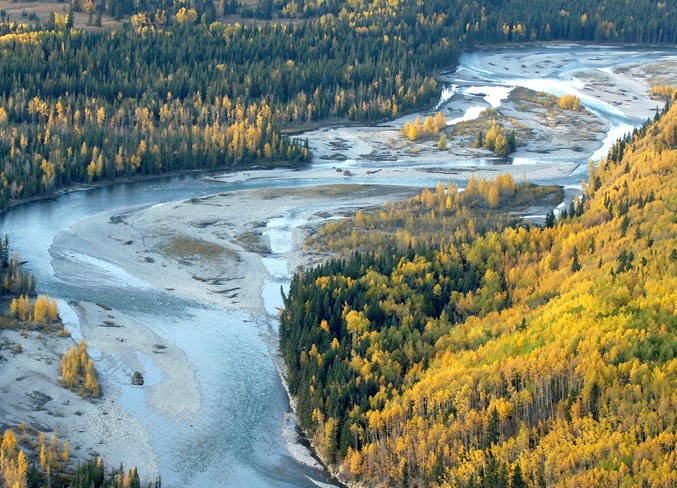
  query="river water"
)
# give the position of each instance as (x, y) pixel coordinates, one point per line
(242, 436)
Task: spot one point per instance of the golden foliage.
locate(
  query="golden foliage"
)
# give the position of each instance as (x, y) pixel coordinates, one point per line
(78, 373)
(593, 368)
(565, 371)
(658, 91)
(569, 102)
(51, 457)
(13, 463)
(443, 216)
(430, 127)
(43, 311)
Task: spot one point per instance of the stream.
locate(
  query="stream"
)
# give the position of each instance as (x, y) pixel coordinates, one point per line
(244, 435)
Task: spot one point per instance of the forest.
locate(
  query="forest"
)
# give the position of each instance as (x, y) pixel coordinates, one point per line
(179, 87)
(457, 347)
(498, 353)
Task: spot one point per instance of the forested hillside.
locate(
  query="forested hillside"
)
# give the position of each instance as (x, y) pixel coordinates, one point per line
(173, 89)
(499, 355)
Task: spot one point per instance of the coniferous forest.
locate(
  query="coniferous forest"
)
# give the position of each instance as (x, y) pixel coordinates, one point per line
(177, 87)
(454, 345)
(498, 354)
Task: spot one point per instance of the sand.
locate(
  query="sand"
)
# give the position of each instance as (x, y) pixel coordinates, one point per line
(622, 89)
(212, 249)
(29, 392)
(139, 244)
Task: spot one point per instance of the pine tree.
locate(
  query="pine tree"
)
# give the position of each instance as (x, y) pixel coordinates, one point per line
(516, 479)
(575, 266)
(493, 428)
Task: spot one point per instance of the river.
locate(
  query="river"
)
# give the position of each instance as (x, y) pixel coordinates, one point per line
(242, 434)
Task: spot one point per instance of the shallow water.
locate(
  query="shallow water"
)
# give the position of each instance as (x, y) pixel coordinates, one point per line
(237, 439)
(242, 436)
(557, 77)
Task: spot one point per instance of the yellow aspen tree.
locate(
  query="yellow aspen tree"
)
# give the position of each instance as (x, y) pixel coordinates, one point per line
(494, 196)
(25, 309)
(417, 125)
(99, 165)
(20, 308)
(439, 192)
(22, 468)
(429, 126)
(492, 134)
(65, 454)
(91, 170)
(101, 115)
(405, 130)
(92, 387)
(440, 121)
(48, 174)
(501, 145)
(9, 444)
(40, 310)
(471, 186)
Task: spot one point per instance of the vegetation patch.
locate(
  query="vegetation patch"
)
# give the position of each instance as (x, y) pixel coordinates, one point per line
(39, 314)
(78, 373)
(492, 131)
(315, 191)
(434, 217)
(569, 102)
(29, 459)
(253, 242)
(525, 98)
(664, 92)
(337, 191)
(188, 248)
(430, 127)
(48, 13)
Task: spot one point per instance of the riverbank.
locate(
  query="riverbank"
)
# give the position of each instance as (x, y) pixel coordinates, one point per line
(612, 87)
(30, 393)
(186, 293)
(214, 250)
(125, 180)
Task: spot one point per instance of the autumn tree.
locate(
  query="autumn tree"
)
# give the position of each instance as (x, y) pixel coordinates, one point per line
(78, 373)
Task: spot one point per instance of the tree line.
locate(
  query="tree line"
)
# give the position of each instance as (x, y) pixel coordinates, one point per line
(28, 460)
(174, 89)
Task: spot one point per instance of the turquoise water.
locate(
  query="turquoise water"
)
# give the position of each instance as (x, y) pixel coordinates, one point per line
(241, 435)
